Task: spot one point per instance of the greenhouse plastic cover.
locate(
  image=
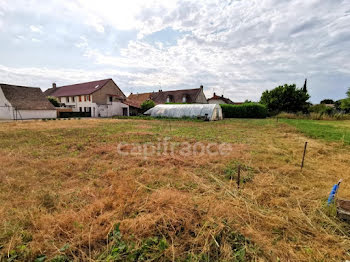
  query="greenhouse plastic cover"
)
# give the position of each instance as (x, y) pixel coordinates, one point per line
(213, 111)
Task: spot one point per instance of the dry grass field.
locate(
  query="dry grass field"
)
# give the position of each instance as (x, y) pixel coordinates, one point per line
(66, 194)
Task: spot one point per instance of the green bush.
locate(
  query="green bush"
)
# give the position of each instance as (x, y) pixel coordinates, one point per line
(148, 104)
(247, 110)
(322, 109)
(54, 101)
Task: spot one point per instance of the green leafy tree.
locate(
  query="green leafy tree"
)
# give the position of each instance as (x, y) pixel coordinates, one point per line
(54, 101)
(148, 104)
(305, 86)
(345, 103)
(287, 98)
(337, 105)
(327, 101)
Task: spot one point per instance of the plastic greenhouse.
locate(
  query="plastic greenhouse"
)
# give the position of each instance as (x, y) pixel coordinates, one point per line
(205, 111)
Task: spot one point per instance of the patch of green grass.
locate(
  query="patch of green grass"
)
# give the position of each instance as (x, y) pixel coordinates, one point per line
(231, 172)
(338, 131)
(151, 249)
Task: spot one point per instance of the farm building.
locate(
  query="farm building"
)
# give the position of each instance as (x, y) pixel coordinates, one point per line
(102, 98)
(22, 102)
(207, 111)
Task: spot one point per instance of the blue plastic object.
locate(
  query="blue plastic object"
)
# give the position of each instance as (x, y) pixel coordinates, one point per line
(332, 194)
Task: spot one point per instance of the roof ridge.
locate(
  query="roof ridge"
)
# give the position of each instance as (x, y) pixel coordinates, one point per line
(18, 85)
(86, 82)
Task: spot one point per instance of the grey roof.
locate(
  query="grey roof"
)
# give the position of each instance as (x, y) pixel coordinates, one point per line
(26, 98)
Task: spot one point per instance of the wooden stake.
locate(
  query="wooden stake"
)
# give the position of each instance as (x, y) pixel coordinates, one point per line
(238, 176)
(302, 162)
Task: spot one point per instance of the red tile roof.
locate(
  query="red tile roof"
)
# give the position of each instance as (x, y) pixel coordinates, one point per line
(226, 100)
(132, 103)
(77, 89)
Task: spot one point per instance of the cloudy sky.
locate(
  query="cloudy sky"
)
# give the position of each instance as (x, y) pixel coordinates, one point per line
(238, 48)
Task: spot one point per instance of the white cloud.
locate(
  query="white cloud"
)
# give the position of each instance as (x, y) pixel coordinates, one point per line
(35, 29)
(238, 47)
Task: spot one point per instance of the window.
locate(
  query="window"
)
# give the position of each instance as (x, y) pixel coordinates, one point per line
(67, 99)
(169, 99)
(111, 99)
(87, 98)
(184, 99)
(79, 98)
(73, 98)
(80, 109)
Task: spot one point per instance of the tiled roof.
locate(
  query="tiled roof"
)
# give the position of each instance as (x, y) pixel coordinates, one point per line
(26, 98)
(216, 97)
(77, 89)
(138, 99)
(161, 96)
(131, 103)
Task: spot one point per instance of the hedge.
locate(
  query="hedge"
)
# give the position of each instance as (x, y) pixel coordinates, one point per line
(246, 110)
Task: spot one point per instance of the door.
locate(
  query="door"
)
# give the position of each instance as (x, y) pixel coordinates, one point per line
(125, 111)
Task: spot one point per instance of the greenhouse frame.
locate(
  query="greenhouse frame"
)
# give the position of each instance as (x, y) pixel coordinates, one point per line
(204, 111)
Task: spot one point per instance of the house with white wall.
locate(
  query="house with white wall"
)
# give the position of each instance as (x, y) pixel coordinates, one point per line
(102, 98)
(22, 102)
(220, 100)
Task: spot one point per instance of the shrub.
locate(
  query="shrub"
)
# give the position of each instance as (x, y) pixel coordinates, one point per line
(315, 116)
(53, 101)
(322, 109)
(247, 110)
(148, 104)
(327, 101)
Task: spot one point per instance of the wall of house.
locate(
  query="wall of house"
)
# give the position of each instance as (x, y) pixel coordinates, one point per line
(5, 107)
(112, 109)
(101, 95)
(216, 101)
(76, 105)
(36, 114)
(201, 99)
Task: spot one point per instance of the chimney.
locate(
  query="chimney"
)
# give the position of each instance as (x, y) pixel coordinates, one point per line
(160, 90)
(214, 94)
(201, 86)
(222, 96)
(53, 85)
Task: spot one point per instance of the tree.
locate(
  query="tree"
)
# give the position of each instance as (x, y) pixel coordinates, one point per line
(345, 103)
(305, 87)
(327, 101)
(148, 104)
(287, 98)
(54, 101)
